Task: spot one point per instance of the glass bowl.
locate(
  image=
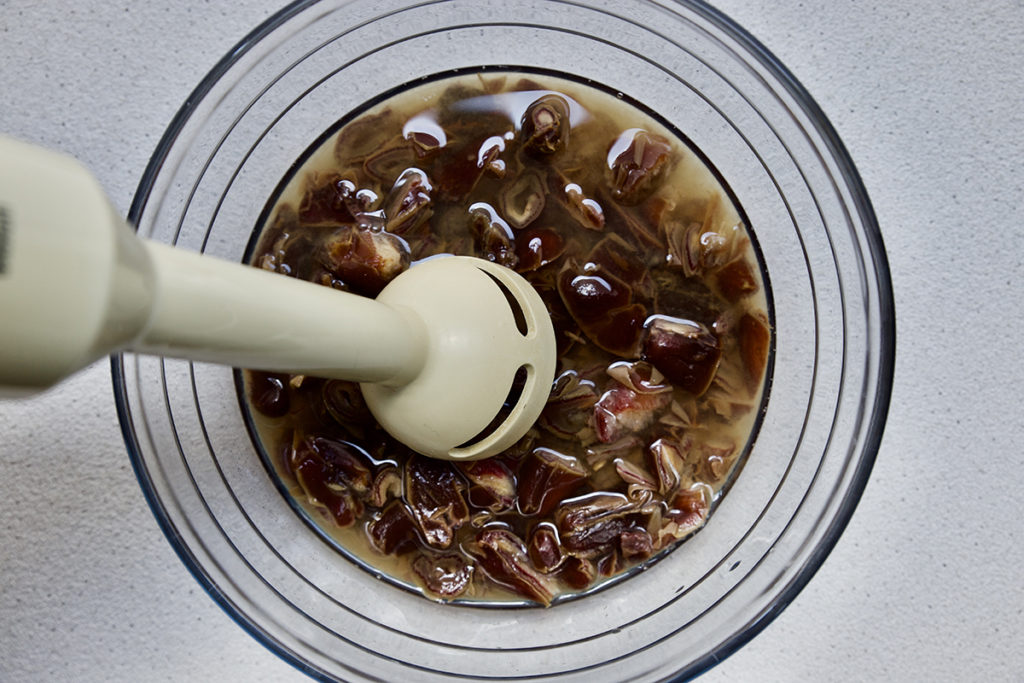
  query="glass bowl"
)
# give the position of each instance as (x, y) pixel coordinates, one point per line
(291, 80)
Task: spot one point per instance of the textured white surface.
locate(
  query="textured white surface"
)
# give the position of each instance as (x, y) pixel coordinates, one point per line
(926, 583)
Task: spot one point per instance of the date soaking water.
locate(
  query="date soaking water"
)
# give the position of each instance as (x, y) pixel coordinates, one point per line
(658, 299)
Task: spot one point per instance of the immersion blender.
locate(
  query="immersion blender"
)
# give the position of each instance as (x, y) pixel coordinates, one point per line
(436, 353)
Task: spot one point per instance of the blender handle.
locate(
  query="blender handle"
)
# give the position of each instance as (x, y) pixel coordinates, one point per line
(76, 284)
(213, 310)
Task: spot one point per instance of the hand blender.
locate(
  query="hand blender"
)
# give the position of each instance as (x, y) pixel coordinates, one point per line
(436, 353)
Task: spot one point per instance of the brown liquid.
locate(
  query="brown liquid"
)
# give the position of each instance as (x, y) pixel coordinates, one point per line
(658, 303)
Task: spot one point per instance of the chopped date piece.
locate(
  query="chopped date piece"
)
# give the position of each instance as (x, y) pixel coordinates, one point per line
(755, 338)
(492, 484)
(446, 220)
(488, 156)
(503, 557)
(735, 280)
(366, 199)
(685, 249)
(688, 510)
(687, 298)
(695, 249)
(621, 411)
(657, 210)
(268, 393)
(326, 279)
(392, 156)
(609, 564)
(584, 209)
(524, 84)
(600, 303)
(537, 247)
(512, 455)
(272, 258)
(330, 473)
(639, 376)
(654, 511)
(731, 239)
(545, 478)
(635, 161)
(361, 137)
(686, 352)
(458, 178)
(496, 84)
(545, 125)
(408, 204)
(522, 200)
(372, 221)
(725, 324)
(680, 417)
(636, 545)
(621, 220)
(600, 454)
(606, 479)
(387, 486)
(701, 242)
(342, 506)
(424, 144)
(590, 293)
(578, 572)
(330, 199)
(344, 402)
(458, 169)
(290, 254)
(350, 462)
(711, 461)
(393, 531)
(382, 449)
(544, 548)
(366, 260)
(285, 450)
(481, 519)
(591, 525)
(643, 497)
(340, 463)
(494, 239)
(569, 405)
(434, 492)
(456, 95)
(665, 459)
(622, 330)
(724, 396)
(634, 474)
(618, 257)
(446, 576)
(426, 136)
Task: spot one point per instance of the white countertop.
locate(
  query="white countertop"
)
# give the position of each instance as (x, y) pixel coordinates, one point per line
(926, 583)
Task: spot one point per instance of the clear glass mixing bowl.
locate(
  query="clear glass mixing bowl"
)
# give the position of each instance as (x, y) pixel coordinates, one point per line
(289, 81)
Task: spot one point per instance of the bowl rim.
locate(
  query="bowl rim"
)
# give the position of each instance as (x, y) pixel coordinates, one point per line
(875, 421)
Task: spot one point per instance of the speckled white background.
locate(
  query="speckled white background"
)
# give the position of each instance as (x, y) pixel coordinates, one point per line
(927, 582)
